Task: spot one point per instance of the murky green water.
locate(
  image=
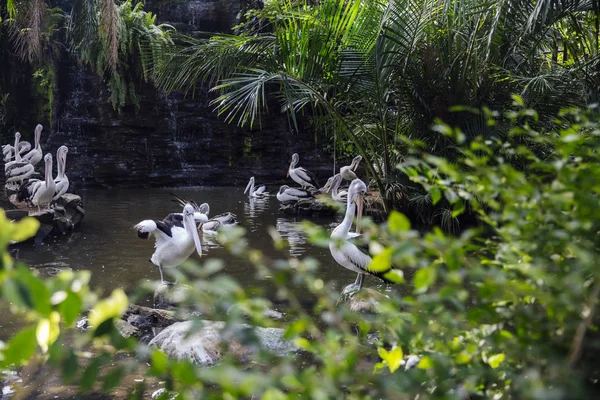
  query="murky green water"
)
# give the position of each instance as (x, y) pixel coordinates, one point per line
(107, 244)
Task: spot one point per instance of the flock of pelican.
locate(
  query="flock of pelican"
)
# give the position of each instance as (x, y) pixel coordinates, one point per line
(19, 168)
(176, 236)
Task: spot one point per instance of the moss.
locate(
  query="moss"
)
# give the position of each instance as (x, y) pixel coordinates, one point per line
(44, 83)
(248, 149)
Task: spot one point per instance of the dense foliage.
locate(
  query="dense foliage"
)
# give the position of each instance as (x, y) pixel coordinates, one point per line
(376, 73)
(116, 39)
(508, 309)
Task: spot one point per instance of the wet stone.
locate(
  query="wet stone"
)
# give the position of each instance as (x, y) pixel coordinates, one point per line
(210, 341)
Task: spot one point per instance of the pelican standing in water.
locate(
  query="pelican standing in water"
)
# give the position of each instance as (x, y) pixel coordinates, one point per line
(61, 181)
(175, 238)
(258, 192)
(18, 170)
(35, 155)
(201, 215)
(347, 172)
(346, 253)
(39, 192)
(287, 193)
(301, 176)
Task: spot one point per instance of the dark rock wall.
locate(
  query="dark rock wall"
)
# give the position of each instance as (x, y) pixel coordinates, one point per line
(171, 140)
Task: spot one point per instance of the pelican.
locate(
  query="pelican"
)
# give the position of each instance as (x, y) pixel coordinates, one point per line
(347, 172)
(327, 187)
(35, 155)
(7, 150)
(338, 196)
(201, 211)
(301, 176)
(18, 170)
(287, 193)
(61, 181)
(259, 192)
(39, 192)
(346, 253)
(176, 237)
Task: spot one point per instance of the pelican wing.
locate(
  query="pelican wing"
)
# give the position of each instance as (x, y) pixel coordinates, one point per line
(296, 192)
(260, 190)
(355, 255)
(62, 185)
(159, 229)
(225, 219)
(307, 176)
(28, 189)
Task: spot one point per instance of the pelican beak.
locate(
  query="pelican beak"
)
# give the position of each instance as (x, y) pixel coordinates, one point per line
(359, 211)
(288, 173)
(192, 223)
(247, 187)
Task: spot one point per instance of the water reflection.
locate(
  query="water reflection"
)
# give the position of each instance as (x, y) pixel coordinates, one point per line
(253, 208)
(291, 231)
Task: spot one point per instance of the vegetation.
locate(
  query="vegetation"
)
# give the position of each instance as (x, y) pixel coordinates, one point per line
(116, 39)
(379, 72)
(508, 309)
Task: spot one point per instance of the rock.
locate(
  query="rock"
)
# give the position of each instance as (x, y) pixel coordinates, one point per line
(65, 214)
(207, 344)
(267, 312)
(312, 207)
(16, 215)
(126, 330)
(170, 295)
(52, 268)
(365, 300)
(146, 317)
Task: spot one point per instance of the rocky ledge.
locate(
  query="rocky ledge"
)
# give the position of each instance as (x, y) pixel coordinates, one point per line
(66, 213)
(312, 207)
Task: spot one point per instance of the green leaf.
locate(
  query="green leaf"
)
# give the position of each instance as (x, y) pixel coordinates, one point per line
(425, 363)
(90, 374)
(112, 378)
(424, 278)
(398, 222)
(462, 358)
(273, 394)
(20, 348)
(47, 330)
(395, 276)
(393, 358)
(184, 372)
(160, 363)
(111, 307)
(382, 262)
(25, 229)
(70, 308)
(436, 195)
(495, 360)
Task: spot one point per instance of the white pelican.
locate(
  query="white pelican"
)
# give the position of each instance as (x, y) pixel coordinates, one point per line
(39, 192)
(8, 150)
(301, 176)
(18, 170)
(335, 194)
(346, 253)
(61, 181)
(200, 211)
(176, 237)
(287, 193)
(347, 172)
(327, 187)
(257, 192)
(35, 155)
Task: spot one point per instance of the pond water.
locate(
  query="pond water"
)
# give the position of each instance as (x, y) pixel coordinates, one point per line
(108, 246)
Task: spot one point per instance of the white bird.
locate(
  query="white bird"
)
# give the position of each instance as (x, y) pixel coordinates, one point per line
(8, 150)
(327, 187)
(301, 176)
(335, 194)
(176, 237)
(201, 211)
(346, 253)
(39, 192)
(35, 155)
(18, 170)
(287, 193)
(61, 181)
(347, 172)
(257, 192)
